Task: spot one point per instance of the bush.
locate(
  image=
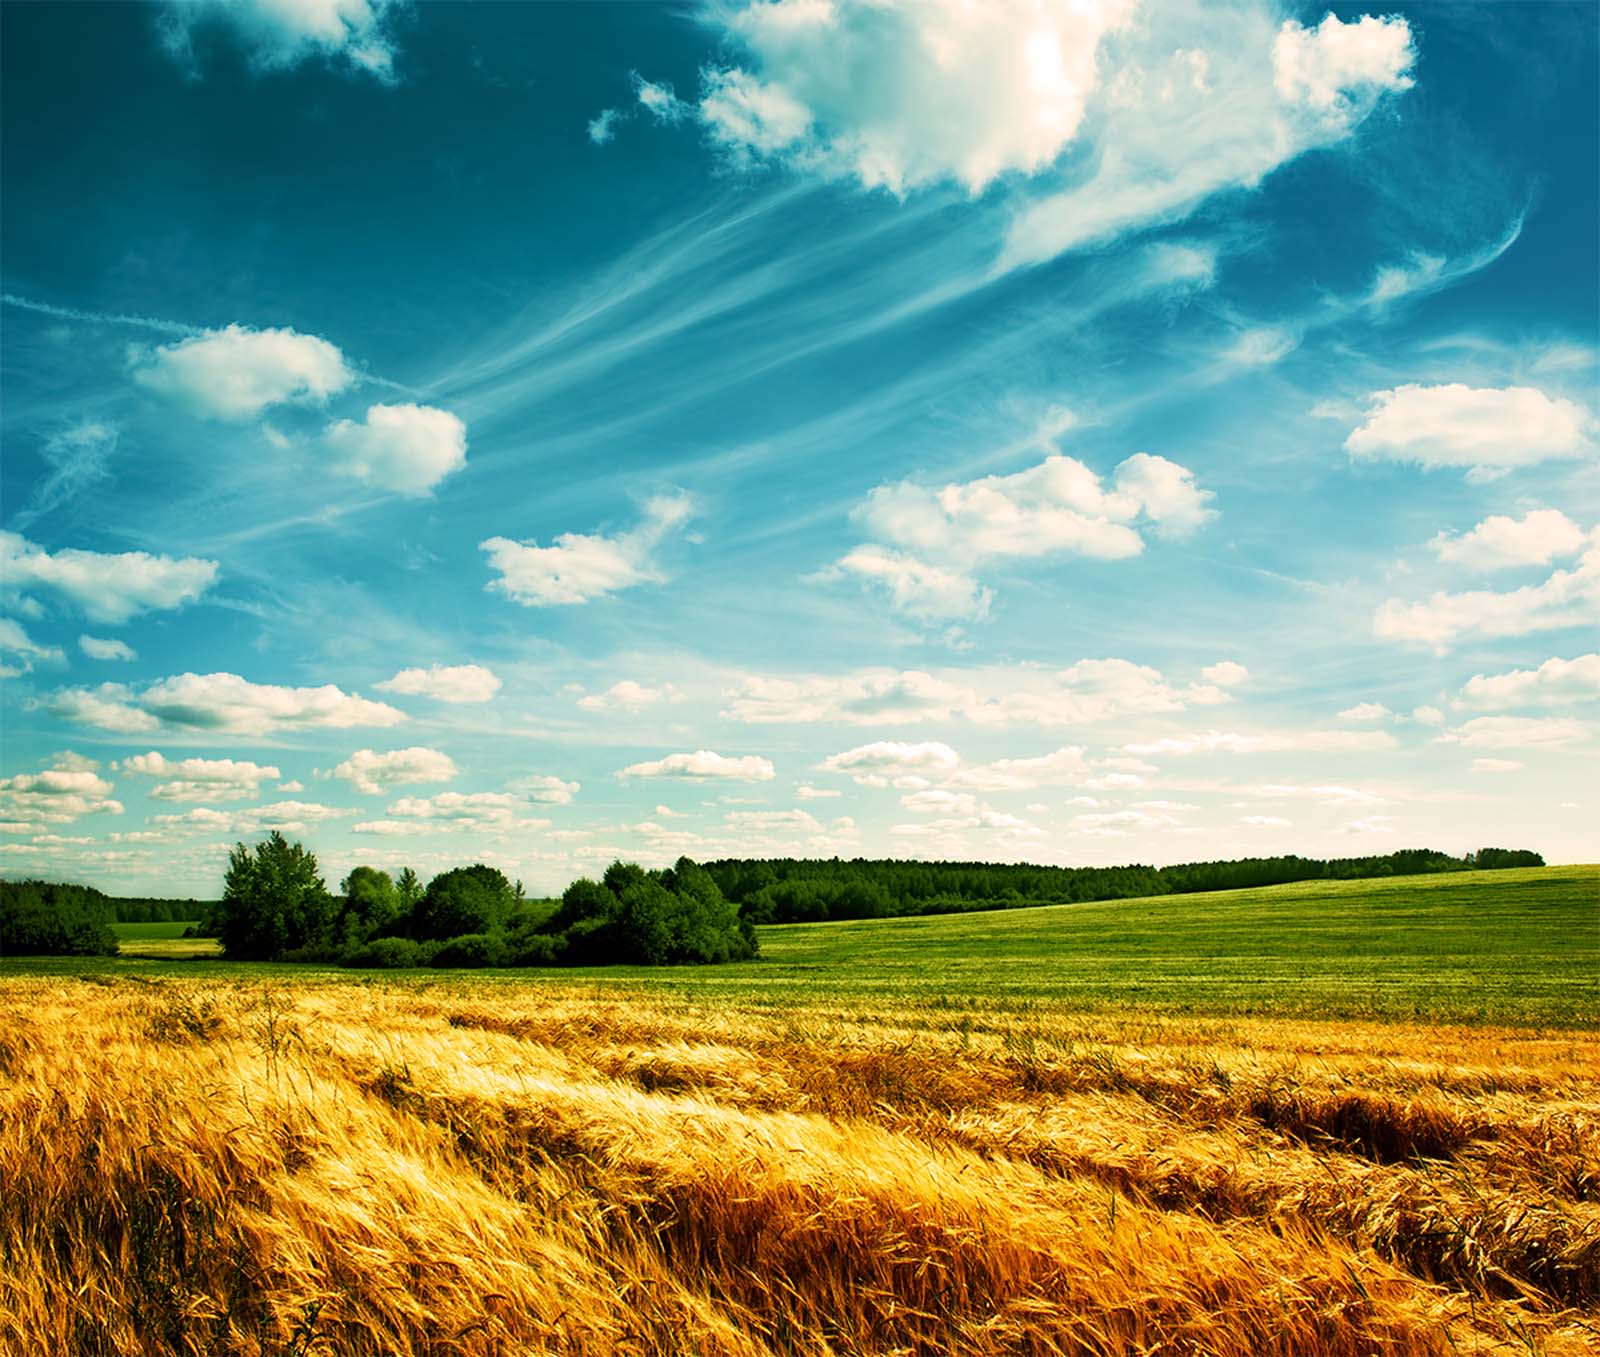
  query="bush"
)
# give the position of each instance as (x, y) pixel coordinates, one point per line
(388, 954)
(473, 950)
(645, 918)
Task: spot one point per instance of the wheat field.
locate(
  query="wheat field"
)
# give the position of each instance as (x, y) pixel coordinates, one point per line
(233, 1165)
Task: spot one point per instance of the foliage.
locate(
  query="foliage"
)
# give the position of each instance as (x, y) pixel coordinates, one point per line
(476, 899)
(472, 950)
(790, 890)
(40, 918)
(273, 901)
(371, 905)
(388, 954)
(644, 918)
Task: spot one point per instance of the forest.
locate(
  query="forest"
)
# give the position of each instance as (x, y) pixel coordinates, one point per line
(808, 890)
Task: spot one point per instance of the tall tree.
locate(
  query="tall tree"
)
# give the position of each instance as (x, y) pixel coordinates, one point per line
(273, 901)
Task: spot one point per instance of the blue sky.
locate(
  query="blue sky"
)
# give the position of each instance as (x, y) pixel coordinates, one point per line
(539, 434)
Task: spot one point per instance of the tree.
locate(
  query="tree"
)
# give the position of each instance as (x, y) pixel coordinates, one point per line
(273, 901)
(408, 889)
(39, 918)
(474, 899)
(371, 904)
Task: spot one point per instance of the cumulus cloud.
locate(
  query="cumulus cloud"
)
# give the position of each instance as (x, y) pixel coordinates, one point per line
(1568, 598)
(1086, 692)
(770, 821)
(200, 779)
(578, 567)
(106, 586)
(1496, 765)
(278, 34)
(371, 772)
(408, 449)
(1367, 711)
(236, 373)
(1520, 732)
(545, 788)
(625, 695)
(1554, 681)
(221, 702)
(1064, 767)
(103, 648)
(493, 812)
(445, 683)
(289, 817)
(23, 649)
(876, 763)
(1324, 794)
(53, 797)
(1225, 674)
(602, 128)
(1266, 742)
(936, 536)
(1482, 429)
(704, 765)
(1163, 141)
(1537, 538)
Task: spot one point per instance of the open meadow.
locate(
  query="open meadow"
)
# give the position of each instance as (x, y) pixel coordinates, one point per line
(1351, 1117)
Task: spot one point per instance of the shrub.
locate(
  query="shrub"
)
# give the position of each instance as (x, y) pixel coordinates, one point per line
(387, 954)
(472, 949)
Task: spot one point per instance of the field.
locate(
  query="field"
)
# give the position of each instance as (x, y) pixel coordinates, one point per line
(1353, 1118)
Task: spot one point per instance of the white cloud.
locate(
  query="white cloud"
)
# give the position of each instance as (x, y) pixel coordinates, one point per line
(292, 785)
(703, 764)
(1556, 680)
(1520, 732)
(98, 648)
(602, 127)
(1496, 765)
(1323, 66)
(1486, 429)
(236, 373)
(1537, 538)
(1266, 742)
(938, 535)
(1063, 767)
(806, 792)
(108, 587)
(220, 702)
(1568, 598)
(1367, 711)
(1428, 716)
(1265, 821)
(659, 100)
(1373, 824)
(874, 764)
(624, 695)
(200, 779)
(496, 812)
(445, 683)
(769, 821)
(290, 817)
(1225, 674)
(545, 788)
(15, 642)
(902, 95)
(1164, 141)
(408, 449)
(1324, 794)
(371, 772)
(53, 797)
(578, 567)
(278, 34)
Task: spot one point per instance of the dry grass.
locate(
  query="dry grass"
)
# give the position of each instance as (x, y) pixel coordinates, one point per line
(227, 1167)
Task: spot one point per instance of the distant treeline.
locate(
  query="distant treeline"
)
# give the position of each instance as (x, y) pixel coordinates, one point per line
(138, 909)
(43, 918)
(803, 890)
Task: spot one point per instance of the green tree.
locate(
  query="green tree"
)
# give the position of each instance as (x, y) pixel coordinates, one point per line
(273, 901)
(474, 899)
(407, 889)
(371, 904)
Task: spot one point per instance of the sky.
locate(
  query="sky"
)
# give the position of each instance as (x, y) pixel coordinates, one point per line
(1035, 431)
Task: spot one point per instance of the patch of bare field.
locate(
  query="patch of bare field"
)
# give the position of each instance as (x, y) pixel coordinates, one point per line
(227, 1167)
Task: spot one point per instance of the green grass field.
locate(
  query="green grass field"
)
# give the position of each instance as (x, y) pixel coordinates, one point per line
(1517, 947)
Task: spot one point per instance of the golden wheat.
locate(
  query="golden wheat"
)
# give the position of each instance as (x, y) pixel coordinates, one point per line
(223, 1167)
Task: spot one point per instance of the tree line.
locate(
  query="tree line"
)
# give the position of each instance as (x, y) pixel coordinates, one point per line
(807, 890)
(276, 906)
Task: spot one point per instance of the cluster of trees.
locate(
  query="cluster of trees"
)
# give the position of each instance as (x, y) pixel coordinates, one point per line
(275, 906)
(797, 890)
(42, 918)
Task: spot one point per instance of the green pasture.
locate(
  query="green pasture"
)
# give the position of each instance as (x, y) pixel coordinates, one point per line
(1519, 947)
